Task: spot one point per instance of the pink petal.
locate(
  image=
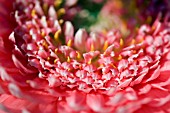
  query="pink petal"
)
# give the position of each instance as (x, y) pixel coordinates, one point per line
(80, 39)
(153, 75)
(144, 89)
(76, 101)
(68, 29)
(95, 102)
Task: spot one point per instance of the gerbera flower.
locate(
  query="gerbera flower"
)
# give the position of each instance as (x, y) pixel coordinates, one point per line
(46, 66)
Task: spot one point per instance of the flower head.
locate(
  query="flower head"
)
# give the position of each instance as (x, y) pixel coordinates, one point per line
(50, 68)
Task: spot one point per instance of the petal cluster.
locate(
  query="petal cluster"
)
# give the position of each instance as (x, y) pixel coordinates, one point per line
(49, 67)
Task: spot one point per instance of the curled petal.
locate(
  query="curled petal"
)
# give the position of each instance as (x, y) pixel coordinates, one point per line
(68, 29)
(80, 39)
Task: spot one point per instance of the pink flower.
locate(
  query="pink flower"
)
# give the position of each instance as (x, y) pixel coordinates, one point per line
(47, 68)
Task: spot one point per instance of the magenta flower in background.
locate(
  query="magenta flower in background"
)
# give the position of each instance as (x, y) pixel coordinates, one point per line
(48, 66)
